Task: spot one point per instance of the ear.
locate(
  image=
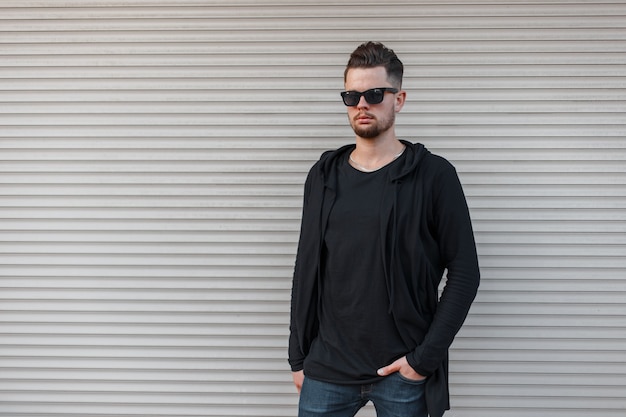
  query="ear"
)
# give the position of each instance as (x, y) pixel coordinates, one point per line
(400, 100)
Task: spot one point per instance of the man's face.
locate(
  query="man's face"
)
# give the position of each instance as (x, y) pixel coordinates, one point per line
(368, 120)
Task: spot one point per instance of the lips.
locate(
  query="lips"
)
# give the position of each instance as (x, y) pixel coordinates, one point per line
(363, 118)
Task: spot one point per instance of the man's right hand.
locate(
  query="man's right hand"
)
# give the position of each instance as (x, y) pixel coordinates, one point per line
(298, 379)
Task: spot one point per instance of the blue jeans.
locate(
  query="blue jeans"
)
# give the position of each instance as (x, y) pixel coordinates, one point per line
(393, 396)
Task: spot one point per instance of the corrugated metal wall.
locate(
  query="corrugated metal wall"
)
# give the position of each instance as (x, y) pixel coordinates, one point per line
(152, 155)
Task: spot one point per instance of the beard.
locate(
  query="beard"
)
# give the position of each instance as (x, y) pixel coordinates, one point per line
(375, 128)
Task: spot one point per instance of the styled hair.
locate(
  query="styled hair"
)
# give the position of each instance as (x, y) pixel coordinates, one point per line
(375, 54)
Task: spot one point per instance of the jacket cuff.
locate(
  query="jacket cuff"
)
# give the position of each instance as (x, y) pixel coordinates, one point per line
(296, 365)
(416, 364)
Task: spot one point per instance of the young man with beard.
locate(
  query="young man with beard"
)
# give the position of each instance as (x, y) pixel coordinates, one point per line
(382, 220)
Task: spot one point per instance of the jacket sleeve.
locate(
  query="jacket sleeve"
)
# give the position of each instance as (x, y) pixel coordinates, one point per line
(296, 357)
(457, 251)
(295, 351)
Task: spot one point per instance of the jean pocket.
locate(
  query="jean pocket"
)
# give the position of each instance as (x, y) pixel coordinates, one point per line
(409, 380)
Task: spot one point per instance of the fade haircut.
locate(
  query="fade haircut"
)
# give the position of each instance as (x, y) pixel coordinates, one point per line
(375, 54)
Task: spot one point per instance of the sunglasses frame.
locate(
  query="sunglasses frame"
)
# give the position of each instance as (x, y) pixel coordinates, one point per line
(346, 95)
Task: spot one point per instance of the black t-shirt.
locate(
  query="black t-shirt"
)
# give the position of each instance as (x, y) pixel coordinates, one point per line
(357, 333)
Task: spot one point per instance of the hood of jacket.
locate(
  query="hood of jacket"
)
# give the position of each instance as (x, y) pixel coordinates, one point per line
(328, 163)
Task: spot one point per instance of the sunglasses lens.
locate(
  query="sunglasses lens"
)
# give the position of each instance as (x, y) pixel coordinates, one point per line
(374, 96)
(351, 98)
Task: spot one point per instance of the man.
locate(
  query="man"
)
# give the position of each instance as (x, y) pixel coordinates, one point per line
(382, 220)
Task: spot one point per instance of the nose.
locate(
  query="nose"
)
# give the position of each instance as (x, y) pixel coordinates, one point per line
(362, 103)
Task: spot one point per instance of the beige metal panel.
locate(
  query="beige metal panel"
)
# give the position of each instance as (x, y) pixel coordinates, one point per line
(152, 155)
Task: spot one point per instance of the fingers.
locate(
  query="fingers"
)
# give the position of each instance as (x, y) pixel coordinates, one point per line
(401, 365)
(298, 379)
(383, 371)
(390, 369)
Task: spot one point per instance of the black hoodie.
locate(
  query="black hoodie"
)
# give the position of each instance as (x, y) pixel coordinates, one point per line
(425, 229)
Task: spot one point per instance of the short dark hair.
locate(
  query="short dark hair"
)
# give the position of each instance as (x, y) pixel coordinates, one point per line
(375, 54)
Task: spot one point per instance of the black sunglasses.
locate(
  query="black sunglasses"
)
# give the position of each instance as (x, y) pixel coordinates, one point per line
(373, 96)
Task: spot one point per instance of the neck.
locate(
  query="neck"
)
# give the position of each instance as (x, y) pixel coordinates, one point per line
(378, 147)
(373, 154)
